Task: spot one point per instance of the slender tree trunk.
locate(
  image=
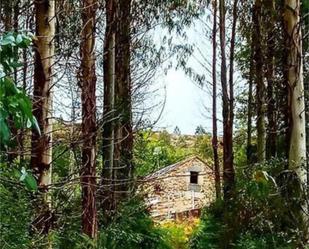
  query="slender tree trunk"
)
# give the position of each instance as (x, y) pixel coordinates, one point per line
(41, 154)
(123, 131)
(107, 188)
(214, 103)
(297, 154)
(260, 86)
(271, 140)
(250, 103)
(24, 86)
(88, 87)
(231, 78)
(297, 149)
(228, 168)
(118, 137)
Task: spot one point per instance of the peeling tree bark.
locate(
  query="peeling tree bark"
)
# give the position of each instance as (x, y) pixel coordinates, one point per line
(297, 149)
(41, 154)
(297, 154)
(88, 86)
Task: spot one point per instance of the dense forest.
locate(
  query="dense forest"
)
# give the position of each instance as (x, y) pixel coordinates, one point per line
(77, 84)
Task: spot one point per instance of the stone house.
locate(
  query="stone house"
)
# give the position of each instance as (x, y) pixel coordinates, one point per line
(180, 189)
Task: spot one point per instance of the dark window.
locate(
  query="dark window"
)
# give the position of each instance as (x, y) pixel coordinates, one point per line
(194, 177)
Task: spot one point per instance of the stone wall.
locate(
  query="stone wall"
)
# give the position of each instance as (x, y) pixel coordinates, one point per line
(171, 192)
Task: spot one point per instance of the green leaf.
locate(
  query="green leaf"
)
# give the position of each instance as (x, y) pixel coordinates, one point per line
(35, 125)
(8, 39)
(30, 182)
(23, 174)
(4, 131)
(19, 38)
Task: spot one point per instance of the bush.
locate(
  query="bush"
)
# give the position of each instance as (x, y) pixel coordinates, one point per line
(210, 230)
(178, 233)
(263, 214)
(132, 228)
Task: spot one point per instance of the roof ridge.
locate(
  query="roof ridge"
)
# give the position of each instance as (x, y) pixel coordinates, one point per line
(171, 166)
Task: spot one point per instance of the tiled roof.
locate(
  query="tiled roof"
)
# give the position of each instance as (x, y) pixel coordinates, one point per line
(169, 168)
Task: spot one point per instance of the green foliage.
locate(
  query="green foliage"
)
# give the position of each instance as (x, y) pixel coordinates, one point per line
(179, 232)
(210, 230)
(28, 180)
(132, 228)
(203, 147)
(154, 151)
(14, 104)
(263, 214)
(15, 214)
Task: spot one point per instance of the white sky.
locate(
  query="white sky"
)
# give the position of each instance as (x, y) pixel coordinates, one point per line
(185, 104)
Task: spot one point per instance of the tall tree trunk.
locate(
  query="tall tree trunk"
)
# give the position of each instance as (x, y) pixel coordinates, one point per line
(117, 133)
(41, 154)
(231, 78)
(297, 154)
(249, 151)
(297, 149)
(24, 86)
(260, 86)
(228, 168)
(214, 103)
(88, 96)
(123, 132)
(271, 140)
(107, 188)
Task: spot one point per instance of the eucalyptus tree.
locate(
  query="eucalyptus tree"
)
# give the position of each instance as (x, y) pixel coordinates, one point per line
(214, 103)
(41, 152)
(227, 111)
(87, 82)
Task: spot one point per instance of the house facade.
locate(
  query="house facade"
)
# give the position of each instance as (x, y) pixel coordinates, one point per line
(183, 187)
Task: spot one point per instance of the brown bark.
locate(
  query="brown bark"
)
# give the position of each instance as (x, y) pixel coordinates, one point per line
(117, 133)
(228, 168)
(260, 86)
(123, 132)
(271, 139)
(41, 152)
(107, 188)
(88, 97)
(249, 151)
(214, 103)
